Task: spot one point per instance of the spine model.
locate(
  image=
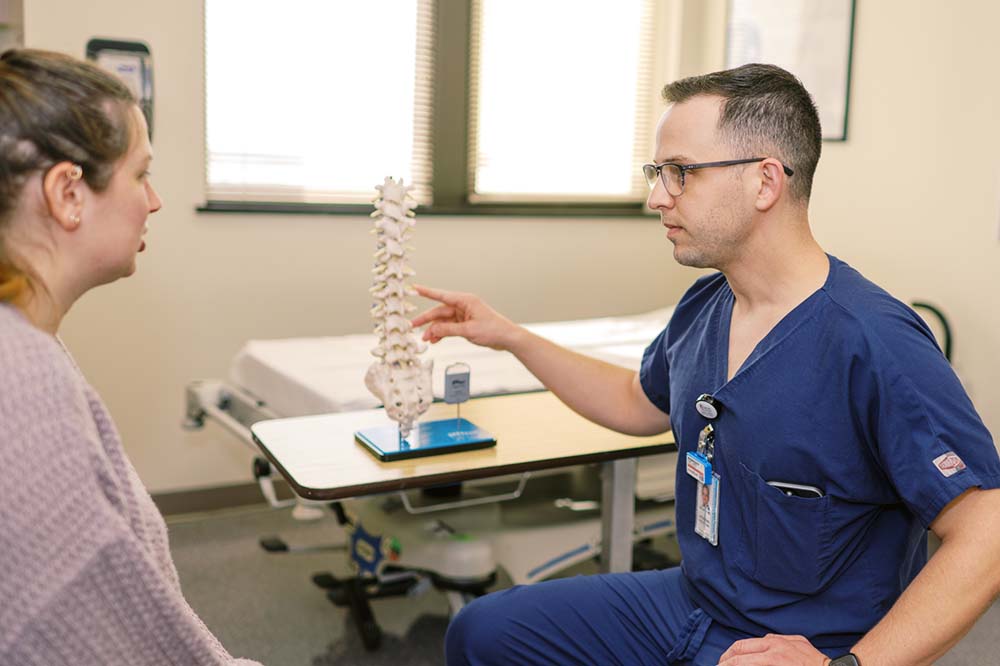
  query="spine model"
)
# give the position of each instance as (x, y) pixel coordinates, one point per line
(399, 379)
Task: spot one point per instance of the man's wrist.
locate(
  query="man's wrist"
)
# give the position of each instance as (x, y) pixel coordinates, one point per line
(515, 339)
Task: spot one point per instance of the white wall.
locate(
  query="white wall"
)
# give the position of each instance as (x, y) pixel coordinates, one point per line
(911, 200)
(209, 282)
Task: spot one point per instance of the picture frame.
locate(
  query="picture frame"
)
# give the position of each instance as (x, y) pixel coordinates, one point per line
(812, 39)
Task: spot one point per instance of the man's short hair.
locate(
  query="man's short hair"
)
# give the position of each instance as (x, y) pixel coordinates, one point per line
(766, 112)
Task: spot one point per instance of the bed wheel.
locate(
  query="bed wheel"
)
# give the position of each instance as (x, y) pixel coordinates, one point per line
(261, 468)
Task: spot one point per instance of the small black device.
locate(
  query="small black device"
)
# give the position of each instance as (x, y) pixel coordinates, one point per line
(845, 660)
(797, 489)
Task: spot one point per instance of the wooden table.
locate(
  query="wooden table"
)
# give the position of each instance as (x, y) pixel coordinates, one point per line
(320, 458)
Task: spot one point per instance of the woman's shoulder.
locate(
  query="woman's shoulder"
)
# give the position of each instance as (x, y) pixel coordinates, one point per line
(44, 412)
(32, 362)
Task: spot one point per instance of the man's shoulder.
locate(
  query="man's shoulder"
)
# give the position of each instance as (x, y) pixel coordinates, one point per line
(859, 297)
(868, 311)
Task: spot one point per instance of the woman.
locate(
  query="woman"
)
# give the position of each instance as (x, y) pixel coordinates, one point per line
(86, 575)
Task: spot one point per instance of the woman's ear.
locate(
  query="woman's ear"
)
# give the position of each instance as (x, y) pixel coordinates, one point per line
(64, 191)
(772, 184)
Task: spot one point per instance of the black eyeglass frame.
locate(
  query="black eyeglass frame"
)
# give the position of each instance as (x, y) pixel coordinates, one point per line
(684, 168)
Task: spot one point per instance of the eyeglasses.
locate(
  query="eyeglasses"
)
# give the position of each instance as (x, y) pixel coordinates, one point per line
(672, 174)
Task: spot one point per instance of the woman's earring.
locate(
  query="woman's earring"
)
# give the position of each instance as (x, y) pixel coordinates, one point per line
(75, 219)
(76, 173)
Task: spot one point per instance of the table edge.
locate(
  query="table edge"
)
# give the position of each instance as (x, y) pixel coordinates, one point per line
(457, 476)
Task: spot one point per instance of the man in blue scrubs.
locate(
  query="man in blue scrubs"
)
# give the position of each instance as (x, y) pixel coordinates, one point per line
(820, 429)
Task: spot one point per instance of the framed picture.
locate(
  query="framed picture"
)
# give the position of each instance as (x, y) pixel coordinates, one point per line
(812, 39)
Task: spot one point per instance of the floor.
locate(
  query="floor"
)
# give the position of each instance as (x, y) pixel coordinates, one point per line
(264, 606)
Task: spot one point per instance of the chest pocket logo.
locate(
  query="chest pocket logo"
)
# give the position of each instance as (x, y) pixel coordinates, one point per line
(785, 539)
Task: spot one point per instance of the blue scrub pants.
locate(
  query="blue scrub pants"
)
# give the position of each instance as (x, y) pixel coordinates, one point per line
(627, 618)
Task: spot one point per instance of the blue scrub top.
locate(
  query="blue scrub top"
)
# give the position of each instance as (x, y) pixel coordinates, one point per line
(848, 393)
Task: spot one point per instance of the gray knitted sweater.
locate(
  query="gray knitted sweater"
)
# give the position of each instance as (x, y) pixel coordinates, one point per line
(85, 570)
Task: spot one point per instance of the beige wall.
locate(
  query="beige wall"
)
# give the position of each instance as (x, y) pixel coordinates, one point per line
(207, 283)
(911, 200)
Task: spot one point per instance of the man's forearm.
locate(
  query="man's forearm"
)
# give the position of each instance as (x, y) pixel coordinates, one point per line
(602, 392)
(958, 584)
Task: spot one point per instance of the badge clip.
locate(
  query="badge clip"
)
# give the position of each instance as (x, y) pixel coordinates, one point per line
(708, 406)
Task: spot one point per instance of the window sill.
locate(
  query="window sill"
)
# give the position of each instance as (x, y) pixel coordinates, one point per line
(634, 210)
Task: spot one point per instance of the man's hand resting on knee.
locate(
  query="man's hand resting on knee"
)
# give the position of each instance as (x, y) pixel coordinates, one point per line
(773, 650)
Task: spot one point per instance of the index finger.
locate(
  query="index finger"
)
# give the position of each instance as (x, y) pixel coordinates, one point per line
(436, 312)
(439, 295)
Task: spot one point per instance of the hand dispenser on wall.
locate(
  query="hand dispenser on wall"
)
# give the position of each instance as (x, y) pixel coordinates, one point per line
(133, 63)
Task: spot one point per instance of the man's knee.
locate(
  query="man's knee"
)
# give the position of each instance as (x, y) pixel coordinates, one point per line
(472, 637)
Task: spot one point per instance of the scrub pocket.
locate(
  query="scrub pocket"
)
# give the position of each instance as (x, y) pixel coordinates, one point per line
(785, 538)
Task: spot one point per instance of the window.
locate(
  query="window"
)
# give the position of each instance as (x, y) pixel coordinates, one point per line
(554, 100)
(484, 105)
(312, 101)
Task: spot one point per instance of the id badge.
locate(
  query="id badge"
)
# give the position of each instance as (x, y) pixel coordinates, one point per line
(706, 517)
(699, 468)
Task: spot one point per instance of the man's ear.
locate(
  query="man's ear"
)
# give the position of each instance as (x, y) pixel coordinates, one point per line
(64, 191)
(773, 183)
